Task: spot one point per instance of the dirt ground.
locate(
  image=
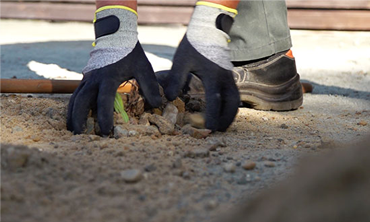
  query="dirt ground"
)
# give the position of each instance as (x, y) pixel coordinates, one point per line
(59, 176)
(49, 174)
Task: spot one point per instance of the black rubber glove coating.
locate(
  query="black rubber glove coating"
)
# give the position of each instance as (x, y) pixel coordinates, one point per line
(222, 95)
(98, 88)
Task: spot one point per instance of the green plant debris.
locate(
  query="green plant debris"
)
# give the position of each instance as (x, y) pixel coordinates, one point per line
(120, 108)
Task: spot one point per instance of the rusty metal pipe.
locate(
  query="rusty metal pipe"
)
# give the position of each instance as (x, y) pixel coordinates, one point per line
(46, 86)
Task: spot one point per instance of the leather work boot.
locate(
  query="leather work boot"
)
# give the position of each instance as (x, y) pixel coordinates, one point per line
(270, 84)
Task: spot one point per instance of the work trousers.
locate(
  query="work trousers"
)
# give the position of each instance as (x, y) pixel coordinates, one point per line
(260, 30)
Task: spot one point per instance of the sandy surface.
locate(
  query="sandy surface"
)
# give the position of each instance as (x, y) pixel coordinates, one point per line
(59, 176)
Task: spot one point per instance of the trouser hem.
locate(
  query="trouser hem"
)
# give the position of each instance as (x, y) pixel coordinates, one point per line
(247, 54)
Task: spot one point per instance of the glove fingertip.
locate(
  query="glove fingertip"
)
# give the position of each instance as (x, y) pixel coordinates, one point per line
(155, 101)
(106, 129)
(171, 93)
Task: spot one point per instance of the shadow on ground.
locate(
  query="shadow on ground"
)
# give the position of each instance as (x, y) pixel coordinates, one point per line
(70, 55)
(321, 89)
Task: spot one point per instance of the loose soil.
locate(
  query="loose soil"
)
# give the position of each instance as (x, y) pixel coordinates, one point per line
(49, 174)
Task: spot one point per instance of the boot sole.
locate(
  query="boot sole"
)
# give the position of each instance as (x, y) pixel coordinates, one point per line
(283, 97)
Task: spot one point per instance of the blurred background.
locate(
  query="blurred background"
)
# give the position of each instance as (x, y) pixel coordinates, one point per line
(303, 14)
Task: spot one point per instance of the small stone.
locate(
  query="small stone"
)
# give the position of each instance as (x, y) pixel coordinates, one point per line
(196, 133)
(177, 164)
(186, 175)
(249, 165)
(94, 138)
(144, 119)
(284, 126)
(16, 129)
(132, 176)
(170, 112)
(119, 132)
(229, 167)
(265, 119)
(212, 147)
(180, 105)
(215, 143)
(269, 164)
(362, 123)
(132, 133)
(151, 130)
(164, 126)
(197, 153)
(211, 205)
(197, 120)
(150, 168)
(35, 138)
(157, 111)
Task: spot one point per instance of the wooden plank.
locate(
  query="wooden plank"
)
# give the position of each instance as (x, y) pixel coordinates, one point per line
(186, 3)
(331, 19)
(84, 12)
(68, 1)
(163, 15)
(328, 4)
(298, 18)
(294, 4)
(312, 4)
(189, 3)
(47, 11)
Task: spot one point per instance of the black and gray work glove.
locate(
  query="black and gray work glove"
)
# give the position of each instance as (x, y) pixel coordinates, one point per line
(117, 57)
(204, 52)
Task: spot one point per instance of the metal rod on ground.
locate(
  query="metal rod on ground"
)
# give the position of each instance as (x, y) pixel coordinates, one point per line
(47, 86)
(67, 86)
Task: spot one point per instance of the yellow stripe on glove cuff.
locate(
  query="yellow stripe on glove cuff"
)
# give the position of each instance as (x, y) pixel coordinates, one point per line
(214, 5)
(113, 7)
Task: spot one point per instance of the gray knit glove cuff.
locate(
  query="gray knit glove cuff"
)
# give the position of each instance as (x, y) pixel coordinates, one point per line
(110, 48)
(206, 38)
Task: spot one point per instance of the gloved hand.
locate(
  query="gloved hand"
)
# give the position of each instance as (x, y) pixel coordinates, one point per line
(117, 57)
(204, 52)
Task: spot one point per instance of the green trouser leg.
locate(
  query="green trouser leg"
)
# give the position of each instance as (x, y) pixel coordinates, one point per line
(260, 30)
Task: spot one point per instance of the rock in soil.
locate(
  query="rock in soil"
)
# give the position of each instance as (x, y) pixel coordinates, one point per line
(127, 130)
(269, 164)
(249, 165)
(119, 132)
(197, 153)
(150, 168)
(196, 133)
(170, 112)
(144, 119)
(197, 120)
(132, 176)
(180, 105)
(164, 125)
(229, 167)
